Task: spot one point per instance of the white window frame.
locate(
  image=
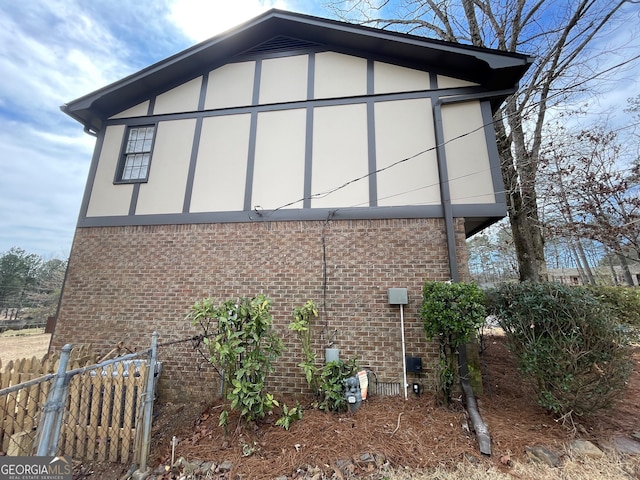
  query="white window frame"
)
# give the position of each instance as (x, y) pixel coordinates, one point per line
(137, 150)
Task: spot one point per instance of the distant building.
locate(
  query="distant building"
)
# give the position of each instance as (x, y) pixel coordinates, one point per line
(604, 275)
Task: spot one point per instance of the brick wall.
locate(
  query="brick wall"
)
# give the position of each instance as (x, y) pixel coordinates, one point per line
(125, 282)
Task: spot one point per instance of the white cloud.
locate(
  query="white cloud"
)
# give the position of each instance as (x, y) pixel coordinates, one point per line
(41, 188)
(54, 51)
(202, 19)
(41, 58)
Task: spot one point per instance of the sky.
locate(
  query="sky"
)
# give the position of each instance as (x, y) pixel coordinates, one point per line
(54, 51)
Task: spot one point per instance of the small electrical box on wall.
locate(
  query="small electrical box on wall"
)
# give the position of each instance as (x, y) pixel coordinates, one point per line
(414, 364)
(397, 296)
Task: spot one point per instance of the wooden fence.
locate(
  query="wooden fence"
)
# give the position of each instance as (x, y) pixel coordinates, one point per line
(102, 420)
(102, 407)
(20, 410)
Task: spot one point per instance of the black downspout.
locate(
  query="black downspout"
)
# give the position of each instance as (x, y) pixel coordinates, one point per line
(482, 433)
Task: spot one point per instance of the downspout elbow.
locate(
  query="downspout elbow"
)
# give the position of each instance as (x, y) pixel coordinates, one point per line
(89, 131)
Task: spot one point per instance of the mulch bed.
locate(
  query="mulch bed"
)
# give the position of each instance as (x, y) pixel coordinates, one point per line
(386, 430)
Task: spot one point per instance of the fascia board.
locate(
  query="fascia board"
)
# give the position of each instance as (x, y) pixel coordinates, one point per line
(90, 109)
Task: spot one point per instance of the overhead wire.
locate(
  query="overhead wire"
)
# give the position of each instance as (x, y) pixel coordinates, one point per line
(446, 142)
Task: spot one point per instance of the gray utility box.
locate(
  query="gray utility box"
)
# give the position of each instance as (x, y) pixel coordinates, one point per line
(398, 296)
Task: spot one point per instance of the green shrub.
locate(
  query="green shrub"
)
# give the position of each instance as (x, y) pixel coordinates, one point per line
(332, 386)
(289, 415)
(624, 302)
(242, 348)
(452, 313)
(566, 344)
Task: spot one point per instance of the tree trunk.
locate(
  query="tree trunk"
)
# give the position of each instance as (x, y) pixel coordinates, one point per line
(523, 212)
(628, 279)
(576, 258)
(587, 269)
(614, 277)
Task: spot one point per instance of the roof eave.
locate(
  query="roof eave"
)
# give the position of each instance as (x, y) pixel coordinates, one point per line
(502, 69)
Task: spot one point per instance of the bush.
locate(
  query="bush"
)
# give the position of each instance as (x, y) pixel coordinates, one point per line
(332, 384)
(566, 344)
(624, 302)
(242, 347)
(452, 313)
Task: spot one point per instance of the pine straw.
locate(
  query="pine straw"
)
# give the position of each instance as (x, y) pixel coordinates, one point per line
(412, 433)
(428, 439)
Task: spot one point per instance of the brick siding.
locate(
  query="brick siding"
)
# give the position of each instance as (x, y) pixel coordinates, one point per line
(123, 283)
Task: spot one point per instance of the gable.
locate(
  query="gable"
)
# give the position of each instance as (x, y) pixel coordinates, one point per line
(288, 78)
(293, 129)
(276, 32)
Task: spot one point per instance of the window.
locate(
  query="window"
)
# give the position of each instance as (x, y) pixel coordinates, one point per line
(137, 154)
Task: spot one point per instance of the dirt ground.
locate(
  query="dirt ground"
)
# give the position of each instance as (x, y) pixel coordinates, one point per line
(19, 344)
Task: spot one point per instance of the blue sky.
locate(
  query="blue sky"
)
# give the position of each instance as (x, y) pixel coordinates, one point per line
(56, 51)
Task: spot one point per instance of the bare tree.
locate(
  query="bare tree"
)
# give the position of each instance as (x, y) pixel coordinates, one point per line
(603, 203)
(558, 34)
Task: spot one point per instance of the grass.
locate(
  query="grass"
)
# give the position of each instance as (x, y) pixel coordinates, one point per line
(611, 467)
(22, 333)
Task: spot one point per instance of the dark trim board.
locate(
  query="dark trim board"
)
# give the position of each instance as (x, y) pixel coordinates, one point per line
(477, 214)
(93, 169)
(434, 95)
(492, 150)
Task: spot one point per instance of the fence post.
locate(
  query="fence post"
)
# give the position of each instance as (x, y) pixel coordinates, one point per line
(54, 408)
(148, 406)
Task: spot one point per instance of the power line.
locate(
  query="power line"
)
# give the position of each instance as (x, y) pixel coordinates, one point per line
(435, 147)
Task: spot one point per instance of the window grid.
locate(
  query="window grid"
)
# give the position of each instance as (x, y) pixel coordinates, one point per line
(138, 153)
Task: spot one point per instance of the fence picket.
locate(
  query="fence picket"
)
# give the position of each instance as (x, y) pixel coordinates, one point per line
(95, 383)
(32, 406)
(4, 383)
(104, 429)
(84, 412)
(21, 403)
(71, 428)
(10, 411)
(142, 382)
(117, 432)
(130, 405)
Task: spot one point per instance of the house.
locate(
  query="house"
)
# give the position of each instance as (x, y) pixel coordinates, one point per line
(294, 156)
(611, 275)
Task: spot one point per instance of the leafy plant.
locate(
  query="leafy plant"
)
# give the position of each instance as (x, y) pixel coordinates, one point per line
(452, 313)
(566, 343)
(332, 386)
(242, 346)
(624, 302)
(302, 324)
(289, 415)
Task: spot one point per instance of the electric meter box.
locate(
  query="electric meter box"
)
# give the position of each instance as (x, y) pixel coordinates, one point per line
(398, 296)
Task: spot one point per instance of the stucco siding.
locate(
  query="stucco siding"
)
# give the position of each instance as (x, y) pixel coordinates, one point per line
(340, 155)
(468, 166)
(165, 190)
(107, 198)
(221, 168)
(338, 75)
(449, 82)
(183, 98)
(393, 78)
(405, 129)
(230, 86)
(139, 110)
(278, 177)
(284, 79)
